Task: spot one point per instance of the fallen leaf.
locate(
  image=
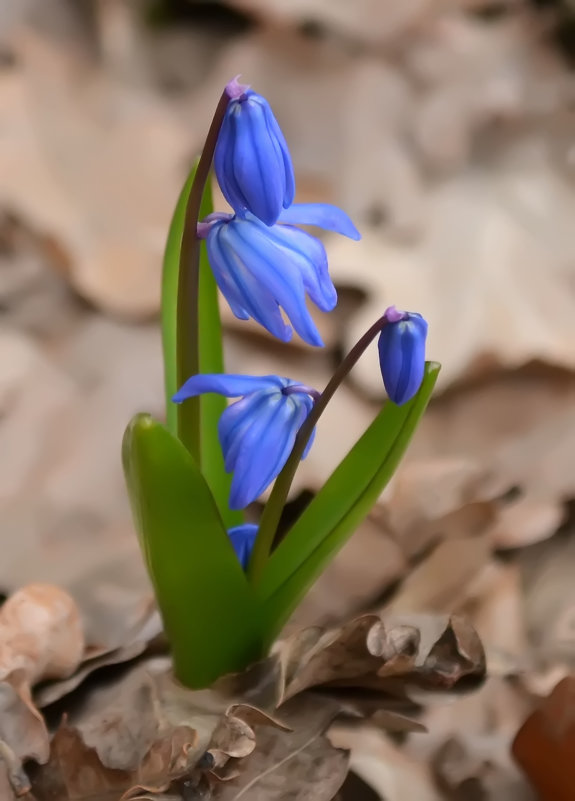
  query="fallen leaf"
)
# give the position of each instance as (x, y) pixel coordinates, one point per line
(13, 779)
(497, 613)
(467, 743)
(22, 728)
(76, 772)
(41, 637)
(394, 775)
(431, 652)
(526, 521)
(549, 601)
(367, 565)
(298, 765)
(440, 582)
(513, 307)
(545, 743)
(41, 634)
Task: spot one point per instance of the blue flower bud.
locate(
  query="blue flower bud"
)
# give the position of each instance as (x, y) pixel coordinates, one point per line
(257, 433)
(402, 354)
(243, 538)
(252, 161)
(260, 268)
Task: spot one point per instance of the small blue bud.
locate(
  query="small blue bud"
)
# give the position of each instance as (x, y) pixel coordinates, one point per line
(260, 268)
(243, 538)
(402, 354)
(252, 161)
(257, 433)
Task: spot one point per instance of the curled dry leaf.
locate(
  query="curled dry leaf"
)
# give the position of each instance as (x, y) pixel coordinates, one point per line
(430, 652)
(41, 637)
(287, 765)
(145, 732)
(40, 634)
(76, 772)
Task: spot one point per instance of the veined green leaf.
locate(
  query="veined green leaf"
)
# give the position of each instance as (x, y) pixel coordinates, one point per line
(209, 610)
(211, 351)
(341, 504)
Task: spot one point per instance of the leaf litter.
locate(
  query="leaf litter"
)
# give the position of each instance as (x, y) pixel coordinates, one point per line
(478, 522)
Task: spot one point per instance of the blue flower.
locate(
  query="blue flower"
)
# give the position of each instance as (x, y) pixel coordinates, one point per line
(257, 433)
(259, 268)
(402, 354)
(243, 538)
(252, 161)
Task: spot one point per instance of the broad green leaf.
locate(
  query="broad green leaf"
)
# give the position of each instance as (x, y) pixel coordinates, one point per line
(211, 352)
(210, 614)
(341, 504)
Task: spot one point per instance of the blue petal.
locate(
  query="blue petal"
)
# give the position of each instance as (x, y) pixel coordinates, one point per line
(324, 215)
(243, 538)
(402, 357)
(235, 423)
(223, 160)
(273, 268)
(256, 452)
(243, 291)
(266, 447)
(307, 253)
(252, 161)
(258, 164)
(228, 384)
(276, 132)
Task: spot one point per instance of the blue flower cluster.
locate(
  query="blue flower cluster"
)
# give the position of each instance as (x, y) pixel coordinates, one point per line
(263, 264)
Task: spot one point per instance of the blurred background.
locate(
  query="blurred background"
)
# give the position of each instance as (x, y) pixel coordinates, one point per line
(446, 129)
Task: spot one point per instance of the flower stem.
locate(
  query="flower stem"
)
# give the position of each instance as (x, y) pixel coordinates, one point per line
(187, 325)
(273, 509)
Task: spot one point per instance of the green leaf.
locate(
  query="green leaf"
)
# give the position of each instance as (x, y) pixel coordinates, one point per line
(209, 610)
(341, 504)
(211, 350)
(170, 301)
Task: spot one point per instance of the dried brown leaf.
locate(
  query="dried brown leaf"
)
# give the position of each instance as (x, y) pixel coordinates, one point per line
(41, 637)
(22, 728)
(429, 651)
(490, 325)
(367, 565)
(136, 641)
(497, 612)
(387, 769)
(75, 771)
(12, 773)
(40, 634)
(300, 765)
(441, 581)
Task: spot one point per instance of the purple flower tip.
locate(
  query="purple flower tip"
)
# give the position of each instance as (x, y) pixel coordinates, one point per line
(235, 90)
(393, 315)
(202, 230)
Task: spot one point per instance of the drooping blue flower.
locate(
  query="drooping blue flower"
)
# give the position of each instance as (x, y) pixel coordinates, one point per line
(243, 538)
(402, 354)
(259, 268)
(252, 161)
(257, 433)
